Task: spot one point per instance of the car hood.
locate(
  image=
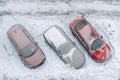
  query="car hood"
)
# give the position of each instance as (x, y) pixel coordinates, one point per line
(36, 59)
(102, 54)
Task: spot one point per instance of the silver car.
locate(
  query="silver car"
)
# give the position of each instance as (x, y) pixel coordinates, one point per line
(64, 47)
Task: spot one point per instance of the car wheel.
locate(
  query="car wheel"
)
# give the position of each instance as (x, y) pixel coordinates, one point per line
(25, 64)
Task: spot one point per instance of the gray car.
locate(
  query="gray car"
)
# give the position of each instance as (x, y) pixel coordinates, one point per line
(64, 47)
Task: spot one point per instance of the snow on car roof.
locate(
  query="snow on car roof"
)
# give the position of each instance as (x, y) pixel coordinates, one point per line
(53, 35)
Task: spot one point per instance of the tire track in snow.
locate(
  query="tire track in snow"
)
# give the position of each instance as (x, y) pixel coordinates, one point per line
(59, 13)
(55, 9)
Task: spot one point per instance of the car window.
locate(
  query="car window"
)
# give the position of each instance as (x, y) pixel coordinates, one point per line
(29, 50)
(80, 24)
(66, 47)
(97, 43)
(77, 58)
(90, 36)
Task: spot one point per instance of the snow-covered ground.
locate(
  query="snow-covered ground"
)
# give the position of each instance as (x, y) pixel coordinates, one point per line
(39, 15)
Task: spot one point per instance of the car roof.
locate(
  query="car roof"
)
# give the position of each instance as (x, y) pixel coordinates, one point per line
(18, 36)
(88, 33)
(55, 36)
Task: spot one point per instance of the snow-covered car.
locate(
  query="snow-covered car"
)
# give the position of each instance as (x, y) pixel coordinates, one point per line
(27, 47)
(90, 39)
(64, 47)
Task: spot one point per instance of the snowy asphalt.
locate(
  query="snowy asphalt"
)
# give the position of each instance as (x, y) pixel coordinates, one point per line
(39, 15)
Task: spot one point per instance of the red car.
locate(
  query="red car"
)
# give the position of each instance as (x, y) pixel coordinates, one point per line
(90, 39)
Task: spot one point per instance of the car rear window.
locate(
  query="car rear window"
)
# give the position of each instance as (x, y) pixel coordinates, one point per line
(29, 50)
(80, 24)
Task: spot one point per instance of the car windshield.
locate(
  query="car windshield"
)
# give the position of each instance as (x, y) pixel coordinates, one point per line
(97, 43)
(80, 24)
(66, 47)
(29, 50)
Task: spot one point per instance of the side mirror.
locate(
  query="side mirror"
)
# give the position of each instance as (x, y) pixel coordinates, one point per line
(36, 43)
(101, 36)
(74, 43)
